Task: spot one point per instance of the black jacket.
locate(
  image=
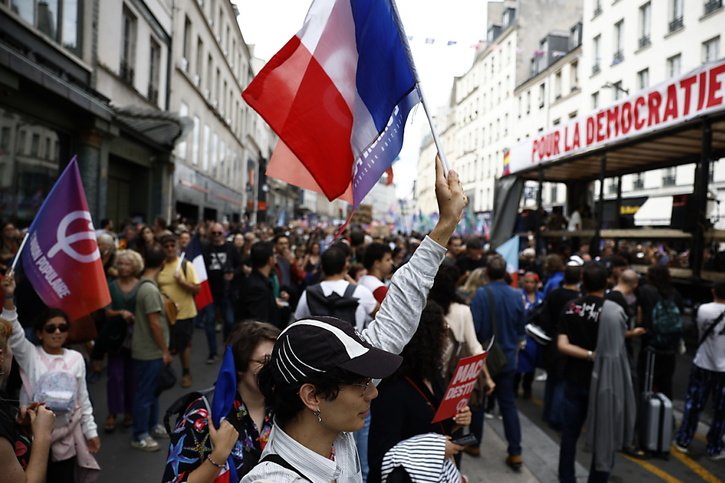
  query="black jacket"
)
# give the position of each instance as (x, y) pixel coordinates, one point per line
(256, 299)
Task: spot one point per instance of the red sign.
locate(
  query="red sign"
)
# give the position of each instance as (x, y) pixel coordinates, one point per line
(459, 389)
(672, 102)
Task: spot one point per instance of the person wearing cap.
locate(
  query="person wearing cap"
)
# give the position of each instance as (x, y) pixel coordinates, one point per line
(322, 375)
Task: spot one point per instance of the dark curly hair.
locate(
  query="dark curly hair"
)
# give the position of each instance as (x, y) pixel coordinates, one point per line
(443, 291)
(284, 398)
(423, 356)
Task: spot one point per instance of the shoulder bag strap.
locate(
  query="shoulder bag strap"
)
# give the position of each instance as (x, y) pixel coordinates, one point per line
(709, 330)
(491, 310)
(278, 460)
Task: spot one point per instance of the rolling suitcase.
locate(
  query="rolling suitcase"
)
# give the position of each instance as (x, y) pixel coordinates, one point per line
(656, 415)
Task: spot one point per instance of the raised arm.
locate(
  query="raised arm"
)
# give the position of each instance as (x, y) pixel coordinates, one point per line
(399, 313)
(22, 348)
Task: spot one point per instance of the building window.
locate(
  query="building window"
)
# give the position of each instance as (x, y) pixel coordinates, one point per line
(154, 71)
(711, 49)
(128, 46)
(645, 16)
(60, 20)
(618, 42)
(186, 54)
(205, 151)
(643, 79)
(597, 8)
(638, 181)
(528, 102)
(595, 100)
(182, 146)
(674, 64)
(618, 90)
(574, 76)
(676, 17)
(596, 50)
(195, 142)
(669, 177)
(712, 5)
(199, 61)
(542, 95)
(557, 85)
(209, 78)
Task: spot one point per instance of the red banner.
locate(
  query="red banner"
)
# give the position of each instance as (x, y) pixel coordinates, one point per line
(459, 389)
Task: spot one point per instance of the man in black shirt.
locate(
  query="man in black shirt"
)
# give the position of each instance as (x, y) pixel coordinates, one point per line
(553, 360)
(577, 340)
(256, 293)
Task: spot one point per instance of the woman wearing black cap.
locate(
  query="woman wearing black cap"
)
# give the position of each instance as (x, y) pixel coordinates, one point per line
(319, 380)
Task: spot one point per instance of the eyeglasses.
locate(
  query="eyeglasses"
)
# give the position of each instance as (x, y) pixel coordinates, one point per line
(215, 233)
(363, 385)
(51, 328)
(263, 361)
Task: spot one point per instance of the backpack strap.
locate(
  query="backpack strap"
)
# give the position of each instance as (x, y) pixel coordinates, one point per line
(278, 460)
(709, 330)
(349, 290)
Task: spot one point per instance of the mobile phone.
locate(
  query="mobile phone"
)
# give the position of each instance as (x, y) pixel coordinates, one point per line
(465, 440)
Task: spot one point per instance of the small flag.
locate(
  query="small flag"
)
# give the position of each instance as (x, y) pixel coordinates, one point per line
(61, 257)
(338, 95)
(510, 252)
(506, 162)
(194, 253)
(225, 390)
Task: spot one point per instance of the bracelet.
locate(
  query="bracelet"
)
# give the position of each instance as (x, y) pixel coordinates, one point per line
(590, 356)
(208, 458)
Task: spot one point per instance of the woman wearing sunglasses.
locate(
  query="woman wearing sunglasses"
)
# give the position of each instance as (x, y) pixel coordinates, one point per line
(56, 377)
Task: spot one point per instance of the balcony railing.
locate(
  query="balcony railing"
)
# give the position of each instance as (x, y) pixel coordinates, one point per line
(676, 24)
(644, 41)
(617, 57)
(597, 11)
(126, 72)
(712, 5)
(596, 69)
(638, 184)
(669, 180)
(153, 93)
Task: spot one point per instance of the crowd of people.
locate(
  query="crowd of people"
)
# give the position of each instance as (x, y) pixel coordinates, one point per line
(343, 349)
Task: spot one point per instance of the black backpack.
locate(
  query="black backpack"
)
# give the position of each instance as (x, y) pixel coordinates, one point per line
(333, 305)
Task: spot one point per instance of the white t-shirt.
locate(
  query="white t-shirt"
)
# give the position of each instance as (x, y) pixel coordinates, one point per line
(711, 353)
(576, 219)
(374, 284)
(366, 301)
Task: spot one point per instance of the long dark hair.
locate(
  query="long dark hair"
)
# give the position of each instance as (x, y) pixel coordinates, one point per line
(422, 357)
(443, 291)
(660, 278)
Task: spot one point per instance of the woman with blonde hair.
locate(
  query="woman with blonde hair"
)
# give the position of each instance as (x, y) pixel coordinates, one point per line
(476, 279)
(116, 337)
(41, 421)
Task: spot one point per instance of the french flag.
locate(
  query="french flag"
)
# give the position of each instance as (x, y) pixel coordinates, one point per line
(195, 254)
(510, 253)
(338, 95)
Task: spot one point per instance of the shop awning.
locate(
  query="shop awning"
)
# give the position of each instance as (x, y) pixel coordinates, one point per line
(656, 211)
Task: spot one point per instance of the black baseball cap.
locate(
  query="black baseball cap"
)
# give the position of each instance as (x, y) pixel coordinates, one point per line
(317, 344)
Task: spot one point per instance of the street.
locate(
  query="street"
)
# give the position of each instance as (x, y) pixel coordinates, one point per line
(120, 463)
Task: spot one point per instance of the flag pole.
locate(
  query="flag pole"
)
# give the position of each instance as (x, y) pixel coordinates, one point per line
(404, 39)
(17, 255)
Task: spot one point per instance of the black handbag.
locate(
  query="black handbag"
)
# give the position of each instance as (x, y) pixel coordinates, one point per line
(496, 360)
(167, 379)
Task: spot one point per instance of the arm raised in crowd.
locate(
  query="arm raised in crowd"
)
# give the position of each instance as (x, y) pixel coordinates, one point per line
(399, 314)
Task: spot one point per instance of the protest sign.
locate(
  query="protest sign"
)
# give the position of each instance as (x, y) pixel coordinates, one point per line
(459, 389)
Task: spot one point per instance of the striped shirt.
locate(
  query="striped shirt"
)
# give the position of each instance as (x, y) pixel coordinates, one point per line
(395, 324)
(423, 458)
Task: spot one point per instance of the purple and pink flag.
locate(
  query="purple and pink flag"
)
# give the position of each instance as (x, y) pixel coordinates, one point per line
(338, 95)
(61, 257)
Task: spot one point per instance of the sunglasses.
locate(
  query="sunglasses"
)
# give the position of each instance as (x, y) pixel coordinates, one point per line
(50, 329)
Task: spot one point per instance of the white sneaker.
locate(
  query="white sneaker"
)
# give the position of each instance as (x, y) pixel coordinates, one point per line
(680, 448)
(159, 432)
(541, 377)
(146, 444)
(719, 456)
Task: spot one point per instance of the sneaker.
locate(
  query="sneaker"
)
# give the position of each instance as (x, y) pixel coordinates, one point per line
(212, 359)
(680, 448)
(186, 381)
(718, 456)
(146, 444)
(488, 415)
(218, 327)
(159, 432)
(515, 462)
(541, 377)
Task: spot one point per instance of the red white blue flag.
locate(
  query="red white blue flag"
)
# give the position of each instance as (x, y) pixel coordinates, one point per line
(60, 256)
(225, 390)
(194, 253)
(338, 95)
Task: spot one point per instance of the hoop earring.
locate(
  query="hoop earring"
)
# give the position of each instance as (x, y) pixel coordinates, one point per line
(317, 414)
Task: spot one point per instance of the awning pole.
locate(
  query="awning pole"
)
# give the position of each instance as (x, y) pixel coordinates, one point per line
(600, 206)
(699, 199)
(618, 215)
(540, 247)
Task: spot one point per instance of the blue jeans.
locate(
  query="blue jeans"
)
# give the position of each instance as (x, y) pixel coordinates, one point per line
(574, 406)
(702, 384)
(507, 405)
(553, 397)
(361, 439)
(146, 403)
(207, 316)
(223, 303)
